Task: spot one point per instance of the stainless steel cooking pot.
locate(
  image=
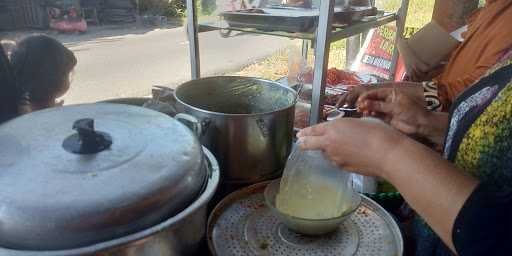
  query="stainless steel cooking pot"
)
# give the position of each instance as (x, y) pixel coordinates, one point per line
(102, 179)
(247, 123)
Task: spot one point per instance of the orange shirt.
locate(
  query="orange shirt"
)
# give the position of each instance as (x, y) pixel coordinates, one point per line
(489, 36)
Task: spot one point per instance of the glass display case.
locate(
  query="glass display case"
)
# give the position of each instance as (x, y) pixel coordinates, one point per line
(317, 23)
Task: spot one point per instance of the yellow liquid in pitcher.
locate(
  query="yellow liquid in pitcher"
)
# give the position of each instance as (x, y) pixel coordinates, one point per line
(311, 199)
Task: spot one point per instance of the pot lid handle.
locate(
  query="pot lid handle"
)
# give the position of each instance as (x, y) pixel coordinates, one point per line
(87, 140)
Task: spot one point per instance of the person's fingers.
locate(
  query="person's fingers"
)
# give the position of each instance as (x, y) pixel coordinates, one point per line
(377, 94)
(350, 98)
(316, 130)
(361, 107)
(312, 143)
(373, 106)
(378, 115)
(336, 159)
(341, 100)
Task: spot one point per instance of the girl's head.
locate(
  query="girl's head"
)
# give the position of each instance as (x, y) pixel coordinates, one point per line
(9, 94)
(42, 66)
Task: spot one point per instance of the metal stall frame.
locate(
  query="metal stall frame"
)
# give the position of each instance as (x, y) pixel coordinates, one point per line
(321, 40)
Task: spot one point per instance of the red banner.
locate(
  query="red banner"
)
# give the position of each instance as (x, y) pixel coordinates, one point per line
(377, 53)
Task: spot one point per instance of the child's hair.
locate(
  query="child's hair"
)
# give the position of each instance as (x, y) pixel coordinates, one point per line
(9, 93)
(41, 66)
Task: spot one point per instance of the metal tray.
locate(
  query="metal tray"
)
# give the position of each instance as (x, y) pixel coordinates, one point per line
(354, 14)
(241, 224)
(274, 19)
(291, 19)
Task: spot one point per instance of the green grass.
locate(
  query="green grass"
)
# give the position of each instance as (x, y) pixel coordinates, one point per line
(420, 11)
(276, 66)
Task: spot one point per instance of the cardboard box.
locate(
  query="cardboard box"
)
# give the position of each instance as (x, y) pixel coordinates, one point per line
(427, 48)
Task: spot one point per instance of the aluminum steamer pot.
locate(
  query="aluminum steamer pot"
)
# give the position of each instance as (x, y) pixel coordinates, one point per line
(102, 179)
(247, 123)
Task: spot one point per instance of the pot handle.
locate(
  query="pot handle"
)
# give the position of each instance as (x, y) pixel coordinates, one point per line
(191, 122)
(87, 140)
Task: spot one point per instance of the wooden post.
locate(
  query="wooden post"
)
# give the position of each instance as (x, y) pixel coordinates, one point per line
(452, 14)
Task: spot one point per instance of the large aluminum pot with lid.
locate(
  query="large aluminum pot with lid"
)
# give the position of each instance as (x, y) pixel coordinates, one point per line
(246, 122)
(102, 179)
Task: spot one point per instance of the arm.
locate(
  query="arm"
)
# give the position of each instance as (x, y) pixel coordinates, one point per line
(433, 126)
(405, 112)
(415, 90)
(483, 224)
(434, 187)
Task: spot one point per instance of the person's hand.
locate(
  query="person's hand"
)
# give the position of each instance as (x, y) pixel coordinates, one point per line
(399, 108)
(359, 145)
(350, 98)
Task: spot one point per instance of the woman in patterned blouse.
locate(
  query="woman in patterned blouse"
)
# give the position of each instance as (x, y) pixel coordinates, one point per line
(488, 38)
(477, 136)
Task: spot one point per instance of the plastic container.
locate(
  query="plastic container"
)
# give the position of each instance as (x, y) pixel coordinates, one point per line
(313, 188)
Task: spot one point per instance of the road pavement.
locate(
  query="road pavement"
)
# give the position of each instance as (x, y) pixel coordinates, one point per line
(128, 63)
